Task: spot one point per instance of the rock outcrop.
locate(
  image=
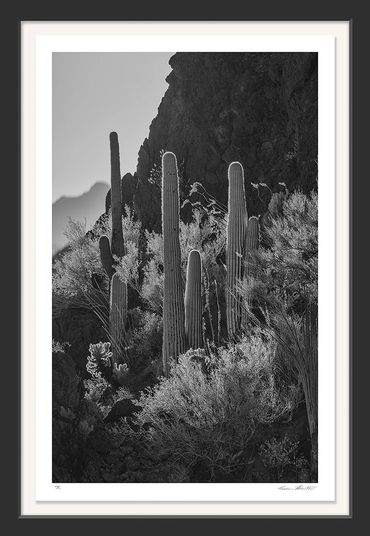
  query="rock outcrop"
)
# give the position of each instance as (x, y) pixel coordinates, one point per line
(257, 108)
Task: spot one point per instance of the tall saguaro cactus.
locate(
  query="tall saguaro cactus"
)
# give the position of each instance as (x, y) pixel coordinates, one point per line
(117, 316)
(116, 247)
(236, 228)
(173, 301)
(193, 301)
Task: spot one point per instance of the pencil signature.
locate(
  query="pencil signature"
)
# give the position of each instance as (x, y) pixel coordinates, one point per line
(300, 487)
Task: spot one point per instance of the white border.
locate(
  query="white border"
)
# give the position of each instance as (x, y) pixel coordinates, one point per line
(38, 43)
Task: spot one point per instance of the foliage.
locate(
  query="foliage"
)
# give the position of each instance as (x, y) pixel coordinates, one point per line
(219, 414)
(59, 346)
(104, 387)
(282, 297)
(279, 454)
(128, 266)
(99, 362)
(285, 281)
(152, 285)
(130, 226)
(145, 339)
(79, 279)
(289, 264)
(72, 273)
(120, 373)
(207, 411)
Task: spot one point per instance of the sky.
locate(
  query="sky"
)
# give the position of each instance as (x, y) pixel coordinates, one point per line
(95, 93)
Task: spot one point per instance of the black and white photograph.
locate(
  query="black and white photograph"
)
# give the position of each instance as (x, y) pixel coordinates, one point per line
(185, 267)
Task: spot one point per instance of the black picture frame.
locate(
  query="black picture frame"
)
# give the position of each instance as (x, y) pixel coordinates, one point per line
(178, 13)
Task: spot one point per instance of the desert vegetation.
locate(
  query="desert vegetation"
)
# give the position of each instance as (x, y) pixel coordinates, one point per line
(202, 362)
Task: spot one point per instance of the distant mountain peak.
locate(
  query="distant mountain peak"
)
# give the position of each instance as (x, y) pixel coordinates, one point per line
(85, 207)
(99, 186)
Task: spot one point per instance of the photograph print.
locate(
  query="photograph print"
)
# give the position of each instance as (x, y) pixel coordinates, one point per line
(185, 267)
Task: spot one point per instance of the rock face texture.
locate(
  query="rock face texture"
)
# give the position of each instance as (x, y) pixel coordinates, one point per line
(257, 108)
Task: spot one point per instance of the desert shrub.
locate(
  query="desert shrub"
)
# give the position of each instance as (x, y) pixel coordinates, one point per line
(131, 227)
(282, 296)
(205, 233)
(79, 279)
(146, 338)
(72, 273)
(280, 455)
(99, 361)
(128, 266)
(153, 274)
(206, 413)
(104, 387)
(289, 265)
(143, 351)
(59, 346)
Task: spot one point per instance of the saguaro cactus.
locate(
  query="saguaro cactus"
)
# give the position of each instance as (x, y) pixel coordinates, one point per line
(106, 255)
(173, 301)
(251, 244)
(236, 228)
(117, 316)
(117, 247)
(193, 301)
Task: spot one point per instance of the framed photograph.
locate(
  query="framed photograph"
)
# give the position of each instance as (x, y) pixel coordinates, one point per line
(185, 269)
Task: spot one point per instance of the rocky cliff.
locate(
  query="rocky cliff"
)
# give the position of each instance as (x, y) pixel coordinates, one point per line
(257, 108)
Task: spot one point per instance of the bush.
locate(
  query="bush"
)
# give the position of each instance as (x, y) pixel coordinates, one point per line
(278, 455)
(104, 387)
(289, 265)
(146, 338)
(282, 297)
(206, 413)
(79, 279)
(73, 271)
